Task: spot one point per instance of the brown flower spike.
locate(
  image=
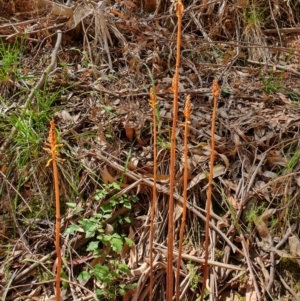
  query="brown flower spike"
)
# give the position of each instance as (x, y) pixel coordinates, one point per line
(52, 150)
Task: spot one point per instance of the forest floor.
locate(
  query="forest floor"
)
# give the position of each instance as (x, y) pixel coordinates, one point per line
(90, 67)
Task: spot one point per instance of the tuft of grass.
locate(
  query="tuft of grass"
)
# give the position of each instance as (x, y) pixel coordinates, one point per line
(31, 125)
(272, 83)
(254, 214)
(294, 160)
(254, 16)
(10, 55)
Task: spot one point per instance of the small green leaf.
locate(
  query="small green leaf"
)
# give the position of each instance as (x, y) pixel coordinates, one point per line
(73, 228)
(77, 210)
(64, 276)
(127, 204)
(93, 246)
(122, 292)
(132, 286)
(71, 205)
(107, 208)
(127, 219)
(128, 242)
(108, 109)
(133, 198)
(107, 216)
(84, 275)
(102, 273)
(116, 244)
(107, 237)
(100, 292)
(226, 90)
(123, 268)
(89, 234)
(100, 194)
(116, 185)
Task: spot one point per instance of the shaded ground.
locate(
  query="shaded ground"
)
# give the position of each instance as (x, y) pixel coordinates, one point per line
(97, 90)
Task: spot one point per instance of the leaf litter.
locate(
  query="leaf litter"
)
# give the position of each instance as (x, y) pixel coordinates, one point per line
(106, 129)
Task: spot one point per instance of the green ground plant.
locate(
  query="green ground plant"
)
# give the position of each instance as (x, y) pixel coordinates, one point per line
(253, 215)
(194, 276)
(10, 55)
(103, 237)
(272, 83)
(254, 16)
(294, 97)
(293, 161)
(31, 124)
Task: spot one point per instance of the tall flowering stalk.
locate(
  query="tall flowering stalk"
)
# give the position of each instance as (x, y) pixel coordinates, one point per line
(169, 284)
(187, 114)
(216, 91)
(53, 151)
(153, 104)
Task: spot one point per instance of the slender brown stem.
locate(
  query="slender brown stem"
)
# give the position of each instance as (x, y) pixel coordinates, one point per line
(187, 115)
(216, 91)
(54, 158)
(169, 288)
(153, 103)
(57, 229)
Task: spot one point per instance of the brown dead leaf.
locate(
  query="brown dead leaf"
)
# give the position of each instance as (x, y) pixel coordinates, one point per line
(262, 229)
(250, 292)
(235, 205)
(284, 99)
(268, 213)
(294, 244)
(129, 133)
(4, 169)
(80, 260)
(266, 97)
(140, 270)
(261, 225)
(101, 133)
(129, 4)
(117, 13)
(160, 178)
(35, 292)
(133, 163)
(140, 141)
(218, 171)
(128, 295)
(66, 117)
(222, 223)
(107, 178)
(177, 211)
(231, 185)
(275, 159)
(269, 175)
